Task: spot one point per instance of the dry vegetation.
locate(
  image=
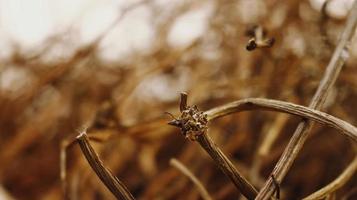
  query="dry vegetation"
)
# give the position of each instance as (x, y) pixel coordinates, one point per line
(127, 126)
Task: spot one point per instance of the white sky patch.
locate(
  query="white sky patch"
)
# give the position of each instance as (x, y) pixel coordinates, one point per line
(339, 9)
(30, 22)
(190, 26)
(97, 20)
(26, 22)
(336, 8)
(67, 12)
(133, 33)
(14, 80)
(164, 87)
(5, 46)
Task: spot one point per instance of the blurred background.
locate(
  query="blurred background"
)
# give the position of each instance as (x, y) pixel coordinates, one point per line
(114, 67)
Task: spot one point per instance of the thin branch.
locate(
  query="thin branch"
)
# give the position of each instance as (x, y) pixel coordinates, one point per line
(341, 180)
(275, 105)
(193, 125)
(227, 166)
(117, 188)
(184, 170)
(333, 69)
(65, 145)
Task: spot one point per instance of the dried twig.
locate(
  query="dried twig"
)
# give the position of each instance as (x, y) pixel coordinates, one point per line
(65, 145)
(333, 69)
(342, 179)
(184, 170)
(117, 188)
(227, 166)
(281, 106)
(193, 125)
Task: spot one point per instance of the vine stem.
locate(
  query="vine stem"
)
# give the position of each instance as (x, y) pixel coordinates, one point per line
(299, 137)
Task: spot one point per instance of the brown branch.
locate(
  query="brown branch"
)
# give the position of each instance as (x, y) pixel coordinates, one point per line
(227, 166)
(333, 69)
(65, 145)
(342, 179)
(193, 125)
(117, 188)
(274, 105)
(184, 170)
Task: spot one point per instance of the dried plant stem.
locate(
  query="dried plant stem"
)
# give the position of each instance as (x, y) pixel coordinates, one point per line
(226, 166)
(342, 179)
(65, 145)
(286, 107)
(193, 125)
(333, 69)
(117, 188)
(184, 170)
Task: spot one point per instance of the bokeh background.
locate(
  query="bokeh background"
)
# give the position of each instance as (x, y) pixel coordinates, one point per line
(114, 67)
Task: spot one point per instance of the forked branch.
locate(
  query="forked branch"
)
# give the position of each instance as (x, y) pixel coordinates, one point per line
(332, 71)
(193, 125)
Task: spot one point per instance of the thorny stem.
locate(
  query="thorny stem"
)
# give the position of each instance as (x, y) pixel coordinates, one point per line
(342, 179)
(184, 170)
(295, 144)
(117, 188)
(275, 105)
(193, 125)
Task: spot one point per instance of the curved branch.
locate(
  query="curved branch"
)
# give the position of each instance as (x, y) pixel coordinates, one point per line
(274, 105)
(297, 141)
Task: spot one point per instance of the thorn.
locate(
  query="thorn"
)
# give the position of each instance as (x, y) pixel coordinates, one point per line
(175, 122)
